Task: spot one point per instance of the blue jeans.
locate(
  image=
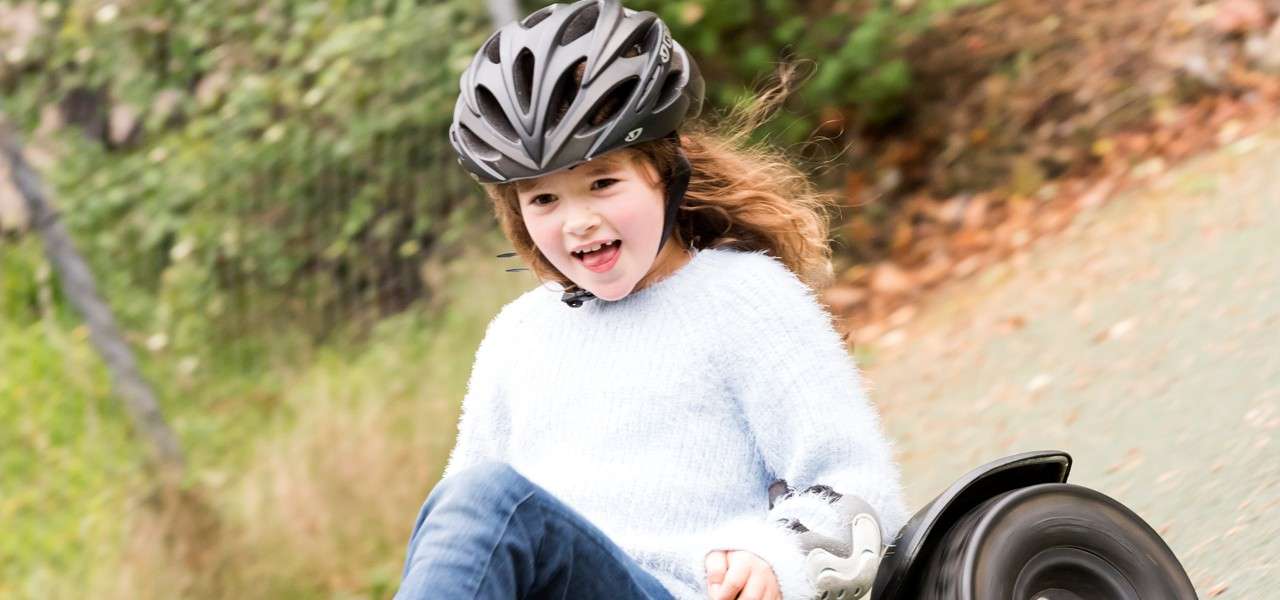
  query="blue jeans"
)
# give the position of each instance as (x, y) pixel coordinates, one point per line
(488, 533)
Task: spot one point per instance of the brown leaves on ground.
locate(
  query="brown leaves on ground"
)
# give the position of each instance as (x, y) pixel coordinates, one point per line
(1050, 108)
(1239, 16)
(1016, 92)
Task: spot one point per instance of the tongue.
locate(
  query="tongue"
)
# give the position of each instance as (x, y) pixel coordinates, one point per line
(601, 256)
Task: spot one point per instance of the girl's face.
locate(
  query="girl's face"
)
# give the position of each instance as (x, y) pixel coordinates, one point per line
(599, 222)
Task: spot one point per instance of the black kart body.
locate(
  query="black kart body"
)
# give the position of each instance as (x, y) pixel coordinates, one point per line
(1014, 529)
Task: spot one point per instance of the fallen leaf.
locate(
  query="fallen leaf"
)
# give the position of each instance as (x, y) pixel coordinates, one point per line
(1239, 16)
(893, 339)
(902, 316)
(1039, 382)
(841, 298)
(887, 278)
(1011, 323)
(1115, 332)
(1097, 194)
(1131, 459)
(968, 266)
(975, 212)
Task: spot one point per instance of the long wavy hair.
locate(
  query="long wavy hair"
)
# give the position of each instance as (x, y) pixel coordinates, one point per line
(741, 195)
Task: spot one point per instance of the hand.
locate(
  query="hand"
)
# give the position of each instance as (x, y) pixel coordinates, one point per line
(740, 575)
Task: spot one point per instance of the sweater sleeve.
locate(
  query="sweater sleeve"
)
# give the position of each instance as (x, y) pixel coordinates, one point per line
(803, 402)
(484, 424)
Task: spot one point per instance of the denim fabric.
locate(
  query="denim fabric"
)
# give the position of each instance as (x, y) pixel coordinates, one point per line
(487, 532)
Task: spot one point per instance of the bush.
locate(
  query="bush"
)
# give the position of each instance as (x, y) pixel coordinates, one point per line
(248, 160)
(854, 46)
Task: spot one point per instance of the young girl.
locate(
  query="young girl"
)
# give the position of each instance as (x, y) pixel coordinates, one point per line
(628, 438)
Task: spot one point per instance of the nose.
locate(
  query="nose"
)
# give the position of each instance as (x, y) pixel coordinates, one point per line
(581, 219)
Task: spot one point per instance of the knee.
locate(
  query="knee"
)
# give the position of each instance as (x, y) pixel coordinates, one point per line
(483, 484)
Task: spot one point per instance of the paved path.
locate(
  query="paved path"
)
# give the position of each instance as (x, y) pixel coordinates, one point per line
(1145, 341)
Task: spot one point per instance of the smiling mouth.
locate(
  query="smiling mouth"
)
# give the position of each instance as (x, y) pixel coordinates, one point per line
(601, 259)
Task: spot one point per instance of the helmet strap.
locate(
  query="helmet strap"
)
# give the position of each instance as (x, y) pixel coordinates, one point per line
(677, 185)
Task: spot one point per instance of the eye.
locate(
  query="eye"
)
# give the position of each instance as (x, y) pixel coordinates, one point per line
(542, 200)
(600, 184)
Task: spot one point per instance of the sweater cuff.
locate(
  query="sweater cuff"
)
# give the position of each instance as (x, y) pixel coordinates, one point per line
(773, 543)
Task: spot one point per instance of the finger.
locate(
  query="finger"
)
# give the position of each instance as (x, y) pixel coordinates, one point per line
(756, 584)
(741, 564)
(734, 579)
(773, 591)
(716, 564)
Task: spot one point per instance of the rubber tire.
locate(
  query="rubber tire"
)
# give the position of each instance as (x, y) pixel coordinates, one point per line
(1053, 541)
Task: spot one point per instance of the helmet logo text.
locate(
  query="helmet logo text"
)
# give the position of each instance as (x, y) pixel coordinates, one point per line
(633, 134)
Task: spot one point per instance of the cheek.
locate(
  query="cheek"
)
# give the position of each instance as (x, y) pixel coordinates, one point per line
(538, 230)
(546, 235)
(639, 221)
(543, 232)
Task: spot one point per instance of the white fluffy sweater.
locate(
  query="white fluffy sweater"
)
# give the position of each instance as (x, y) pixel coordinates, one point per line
(664, 416)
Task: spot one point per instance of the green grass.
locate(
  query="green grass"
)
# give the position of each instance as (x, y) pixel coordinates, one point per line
(64, 454)
(313, 461)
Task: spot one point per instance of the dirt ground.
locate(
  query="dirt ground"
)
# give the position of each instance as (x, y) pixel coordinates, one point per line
(1145, 341)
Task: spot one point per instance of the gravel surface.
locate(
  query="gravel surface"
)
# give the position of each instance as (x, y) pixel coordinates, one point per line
(1145, 341)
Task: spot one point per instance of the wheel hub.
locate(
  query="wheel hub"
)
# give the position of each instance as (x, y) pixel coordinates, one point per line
(1071, 574)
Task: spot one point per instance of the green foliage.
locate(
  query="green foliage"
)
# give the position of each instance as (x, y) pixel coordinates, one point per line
(65, 452)
(290, 158)
(854, 46)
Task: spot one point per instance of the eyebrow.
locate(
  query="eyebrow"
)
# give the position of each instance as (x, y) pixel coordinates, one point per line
(594, 167)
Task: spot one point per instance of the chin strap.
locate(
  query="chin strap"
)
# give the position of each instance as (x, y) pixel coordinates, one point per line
(677, 185)
(575, 297)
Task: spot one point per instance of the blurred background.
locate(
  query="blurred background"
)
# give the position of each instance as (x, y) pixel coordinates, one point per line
(266, 202)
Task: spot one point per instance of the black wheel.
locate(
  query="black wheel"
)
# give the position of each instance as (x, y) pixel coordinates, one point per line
(1053, 541)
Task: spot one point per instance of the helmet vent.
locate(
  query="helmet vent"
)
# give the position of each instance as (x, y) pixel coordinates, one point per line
(564, 93)
(637, 44)
(536, 18)
(493, 114)
(670, 88)
(610, 105)
(580, 24)
(491, 50)
(477, 146)
(522, 74)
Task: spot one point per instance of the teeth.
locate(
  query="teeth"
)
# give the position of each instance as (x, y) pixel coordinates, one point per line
(594, 248)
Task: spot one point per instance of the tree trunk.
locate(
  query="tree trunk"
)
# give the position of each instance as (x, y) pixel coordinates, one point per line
(78, 285)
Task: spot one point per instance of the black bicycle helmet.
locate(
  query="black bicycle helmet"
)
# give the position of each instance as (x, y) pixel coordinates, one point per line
(568, 83)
